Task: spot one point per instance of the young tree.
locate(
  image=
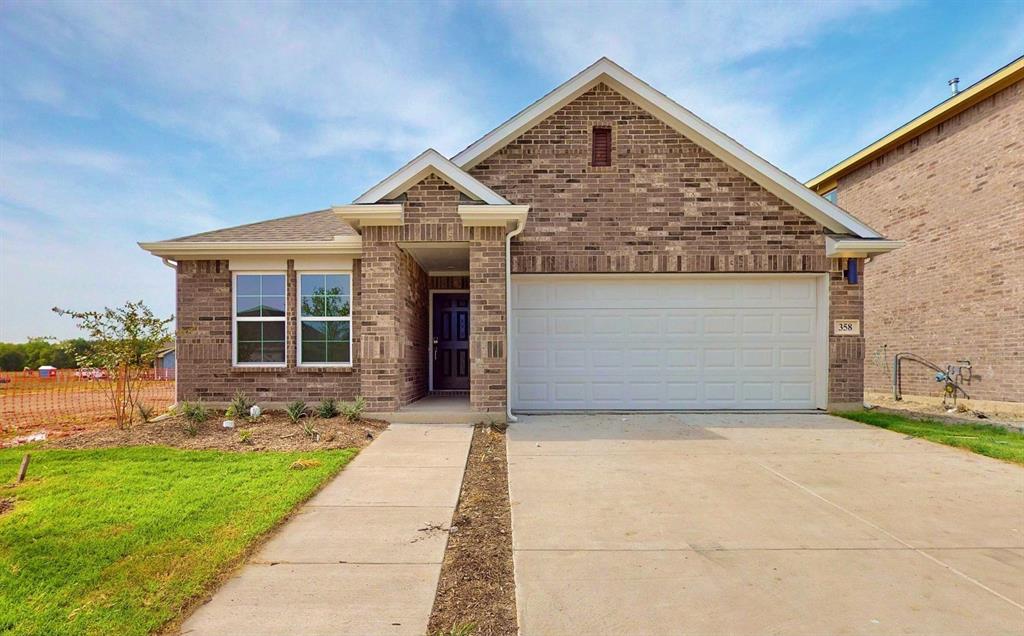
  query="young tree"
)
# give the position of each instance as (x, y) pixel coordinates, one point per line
(125, 341)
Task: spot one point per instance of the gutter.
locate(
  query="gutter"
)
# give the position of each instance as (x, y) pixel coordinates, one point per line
(520, 226)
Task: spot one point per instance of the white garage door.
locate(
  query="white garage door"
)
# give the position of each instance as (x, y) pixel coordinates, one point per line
(670, 342)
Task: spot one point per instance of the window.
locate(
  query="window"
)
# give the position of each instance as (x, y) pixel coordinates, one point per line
(832, 195)
(259, 319)
(325, 319)
(602, 147)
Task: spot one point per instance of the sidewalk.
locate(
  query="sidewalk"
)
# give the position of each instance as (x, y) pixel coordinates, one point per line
(363, 556)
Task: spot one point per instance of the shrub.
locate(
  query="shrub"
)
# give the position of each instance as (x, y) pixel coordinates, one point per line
(240, 405)
(310, 431)
(195, 412)
(295, 410)
(245, 436)
(327, 408)
(353, 411)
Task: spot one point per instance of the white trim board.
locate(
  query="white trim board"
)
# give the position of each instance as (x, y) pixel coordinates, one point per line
(694, 128)
(430, 161)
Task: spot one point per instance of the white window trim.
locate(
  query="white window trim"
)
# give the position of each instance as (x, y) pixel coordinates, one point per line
(235, 319)
(299, 319)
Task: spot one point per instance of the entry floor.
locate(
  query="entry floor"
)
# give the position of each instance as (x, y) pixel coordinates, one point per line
(755, 524)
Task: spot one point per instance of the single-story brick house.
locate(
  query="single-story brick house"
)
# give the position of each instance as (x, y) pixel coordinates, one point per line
(604, 249)
(950, 183)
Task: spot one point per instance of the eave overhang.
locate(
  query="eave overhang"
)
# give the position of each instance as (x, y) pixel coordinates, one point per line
(364, 215)
(195, 250)
(427, 163)
(845, 247)
(493, 215)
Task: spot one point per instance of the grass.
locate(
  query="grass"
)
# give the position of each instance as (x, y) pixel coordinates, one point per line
(992, 441)
(118, 541)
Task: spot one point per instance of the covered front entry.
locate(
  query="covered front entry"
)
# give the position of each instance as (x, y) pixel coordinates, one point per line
(450, 318)
(669, 342)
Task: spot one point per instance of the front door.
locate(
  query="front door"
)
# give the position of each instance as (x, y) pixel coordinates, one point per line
(451, 342)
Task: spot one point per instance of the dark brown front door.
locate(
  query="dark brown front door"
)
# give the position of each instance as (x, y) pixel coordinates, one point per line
(451, 342)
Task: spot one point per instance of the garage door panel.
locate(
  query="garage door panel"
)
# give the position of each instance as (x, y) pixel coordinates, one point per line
(675, 343)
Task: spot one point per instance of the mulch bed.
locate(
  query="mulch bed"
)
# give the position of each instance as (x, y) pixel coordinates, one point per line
(271, 431)
(477, 585)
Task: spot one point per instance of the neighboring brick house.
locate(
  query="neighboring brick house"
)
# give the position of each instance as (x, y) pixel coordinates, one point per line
(655, 264)
(950, 183)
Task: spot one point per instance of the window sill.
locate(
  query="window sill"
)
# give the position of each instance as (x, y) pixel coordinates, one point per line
(268, 368)
(347, 368)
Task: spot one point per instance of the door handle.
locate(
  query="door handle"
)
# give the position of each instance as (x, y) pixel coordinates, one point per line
(435, 347)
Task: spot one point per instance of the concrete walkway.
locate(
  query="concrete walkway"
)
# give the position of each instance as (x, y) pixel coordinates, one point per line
(363, 556)
(759, 524)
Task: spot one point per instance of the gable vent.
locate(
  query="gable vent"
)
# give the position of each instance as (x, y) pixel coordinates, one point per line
(601, 145)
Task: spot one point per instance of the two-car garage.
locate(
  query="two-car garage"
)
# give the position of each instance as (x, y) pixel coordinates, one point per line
(669, 342)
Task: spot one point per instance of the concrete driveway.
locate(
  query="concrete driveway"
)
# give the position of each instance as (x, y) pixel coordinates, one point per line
(759, 524)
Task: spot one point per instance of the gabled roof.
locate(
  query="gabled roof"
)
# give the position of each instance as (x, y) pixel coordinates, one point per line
(431, 161)
(983, 89)
(694, 128)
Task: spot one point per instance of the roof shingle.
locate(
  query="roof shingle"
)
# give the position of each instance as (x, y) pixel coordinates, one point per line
(322, 225)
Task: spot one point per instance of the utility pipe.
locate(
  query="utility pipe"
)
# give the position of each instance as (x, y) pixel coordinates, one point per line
(520, 226)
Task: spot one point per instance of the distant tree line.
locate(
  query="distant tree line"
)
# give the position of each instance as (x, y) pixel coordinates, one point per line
(39, 352)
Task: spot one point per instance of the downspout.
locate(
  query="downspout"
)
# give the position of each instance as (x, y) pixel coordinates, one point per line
(520, 226)
(174, 265)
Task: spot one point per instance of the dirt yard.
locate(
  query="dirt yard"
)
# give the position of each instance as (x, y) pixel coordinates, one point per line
(64, 405)
(972, 411)
(477, 585)
(271, 431)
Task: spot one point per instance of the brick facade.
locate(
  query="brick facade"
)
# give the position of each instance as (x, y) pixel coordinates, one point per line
(487, 365)
(204, 341)
(845, 353)
(664, 205)
(955, 194)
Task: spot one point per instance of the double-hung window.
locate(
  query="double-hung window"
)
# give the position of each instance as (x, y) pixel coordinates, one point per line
(325, 319)
(259, 319)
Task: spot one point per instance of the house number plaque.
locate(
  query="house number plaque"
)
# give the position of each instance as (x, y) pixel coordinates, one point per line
(846, 327)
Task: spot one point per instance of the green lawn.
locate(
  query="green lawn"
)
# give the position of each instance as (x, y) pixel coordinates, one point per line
(116, 541)
(985, 440)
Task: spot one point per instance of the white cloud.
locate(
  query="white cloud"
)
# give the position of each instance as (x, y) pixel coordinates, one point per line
(288, 80)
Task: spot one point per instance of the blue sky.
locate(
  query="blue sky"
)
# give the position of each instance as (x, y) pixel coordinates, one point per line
(125, 122)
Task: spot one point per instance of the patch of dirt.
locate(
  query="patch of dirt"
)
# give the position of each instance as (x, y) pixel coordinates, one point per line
(477, 583)
(271, 431)
(6, 505)
(969, 411)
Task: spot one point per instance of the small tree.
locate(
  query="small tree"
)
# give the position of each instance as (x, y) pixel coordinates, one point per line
(125, 341)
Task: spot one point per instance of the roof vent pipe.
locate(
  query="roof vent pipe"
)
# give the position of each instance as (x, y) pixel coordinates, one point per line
(954, 85)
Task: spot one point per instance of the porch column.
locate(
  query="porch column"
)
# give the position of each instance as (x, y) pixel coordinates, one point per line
(380, 356)
(487, 349)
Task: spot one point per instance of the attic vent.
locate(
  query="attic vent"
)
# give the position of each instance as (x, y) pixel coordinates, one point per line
(602, 147)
